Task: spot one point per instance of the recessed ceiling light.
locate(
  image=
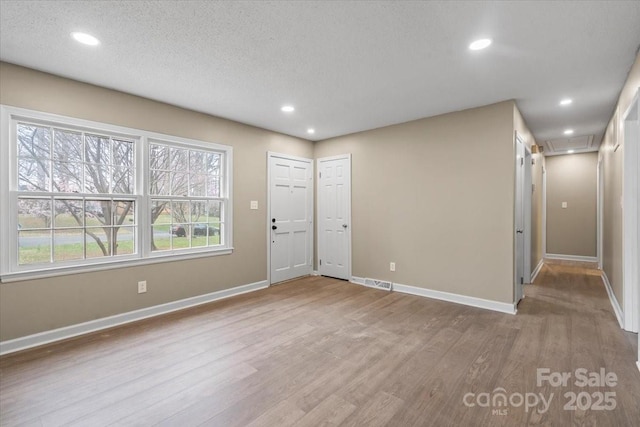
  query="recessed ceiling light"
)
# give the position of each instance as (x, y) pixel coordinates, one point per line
(288, 109)
(568, 132)
(85, 38)
(571, 151)
(311, 131)
(566, 101)
(480, 44)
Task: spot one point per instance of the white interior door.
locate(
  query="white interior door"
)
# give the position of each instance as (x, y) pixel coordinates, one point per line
(527, 191)
(334, 217)
(290, 217)
(519, 221)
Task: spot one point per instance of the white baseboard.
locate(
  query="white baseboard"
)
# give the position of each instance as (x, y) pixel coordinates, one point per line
(357, 280)
(66, 332)
(614, 302)
(537, 270)
(638, 364)
(579, 258)
(315, 273)
(502, 307)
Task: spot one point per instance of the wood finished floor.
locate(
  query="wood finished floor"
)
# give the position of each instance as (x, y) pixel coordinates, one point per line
(318, 351)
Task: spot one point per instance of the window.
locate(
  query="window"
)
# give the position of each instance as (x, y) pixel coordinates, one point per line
(186, 203)
(75, 195)
(78, 194)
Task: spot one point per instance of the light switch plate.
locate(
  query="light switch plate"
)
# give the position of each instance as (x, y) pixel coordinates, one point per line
(254, 204)
(564, 205)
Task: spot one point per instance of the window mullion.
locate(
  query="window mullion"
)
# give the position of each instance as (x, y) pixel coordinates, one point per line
(143, 215)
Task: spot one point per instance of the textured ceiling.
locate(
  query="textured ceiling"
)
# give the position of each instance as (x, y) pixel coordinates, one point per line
(346, 66)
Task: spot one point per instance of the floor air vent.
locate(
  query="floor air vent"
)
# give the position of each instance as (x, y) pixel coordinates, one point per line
(378, 284)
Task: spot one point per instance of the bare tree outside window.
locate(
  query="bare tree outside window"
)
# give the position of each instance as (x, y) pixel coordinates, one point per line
(84, 193)
(67, 181)
(185, 188)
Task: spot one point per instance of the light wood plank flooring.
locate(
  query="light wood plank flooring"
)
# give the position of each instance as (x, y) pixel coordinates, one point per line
(319, 351)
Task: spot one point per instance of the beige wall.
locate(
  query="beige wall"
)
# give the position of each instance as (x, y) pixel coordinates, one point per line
(612, 192)
(28, 307)
(436, 196)
(573, 179)
(537, 247)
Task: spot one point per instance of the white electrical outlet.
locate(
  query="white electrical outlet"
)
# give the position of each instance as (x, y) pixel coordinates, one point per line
(254, 204)
(392, 266)
(142, 287)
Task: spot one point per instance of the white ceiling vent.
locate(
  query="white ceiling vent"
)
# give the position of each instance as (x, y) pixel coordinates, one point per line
(579, 144)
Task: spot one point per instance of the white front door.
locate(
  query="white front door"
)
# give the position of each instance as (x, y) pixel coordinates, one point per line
(334, 217)
(290, 217)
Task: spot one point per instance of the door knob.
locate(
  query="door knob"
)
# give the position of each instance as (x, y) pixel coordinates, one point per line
(274, 227)
(344, 225)
(520, 231)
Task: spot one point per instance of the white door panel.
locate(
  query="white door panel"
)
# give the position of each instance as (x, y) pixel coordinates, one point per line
(291, 217)
(334, 217)
(522, 219)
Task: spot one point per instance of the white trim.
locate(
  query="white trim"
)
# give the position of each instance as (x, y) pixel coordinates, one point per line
(67, 332)
(315, 273)
(349, 218)
(502, 307)
(537, 270)
(544, 207)
(527, 195)
(5, 176)
(599, 208)
(638, 364)
(109, 265)
(578, 258)
(630, 131)
(338, 157)
(358, 280)
(612, 297)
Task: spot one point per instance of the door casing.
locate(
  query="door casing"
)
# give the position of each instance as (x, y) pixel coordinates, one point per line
(630, 215)
(522, 217)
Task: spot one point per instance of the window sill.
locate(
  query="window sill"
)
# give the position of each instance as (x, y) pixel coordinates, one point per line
(109, 265)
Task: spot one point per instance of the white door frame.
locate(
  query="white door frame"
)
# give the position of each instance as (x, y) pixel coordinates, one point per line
(630, 223)
(526, 205)
(544, 210)
(271, 154)
(599, 209)
(349, 222)
(527, 193)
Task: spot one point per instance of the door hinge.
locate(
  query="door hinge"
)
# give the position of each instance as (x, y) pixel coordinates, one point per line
(320, 174)
(522, 280)
(320, 262)
(521, 161)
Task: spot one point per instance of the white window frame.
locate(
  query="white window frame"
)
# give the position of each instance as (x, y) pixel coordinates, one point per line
(9, 268)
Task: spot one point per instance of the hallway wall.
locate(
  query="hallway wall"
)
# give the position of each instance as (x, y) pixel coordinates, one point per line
(572, 179)
(612, 175)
